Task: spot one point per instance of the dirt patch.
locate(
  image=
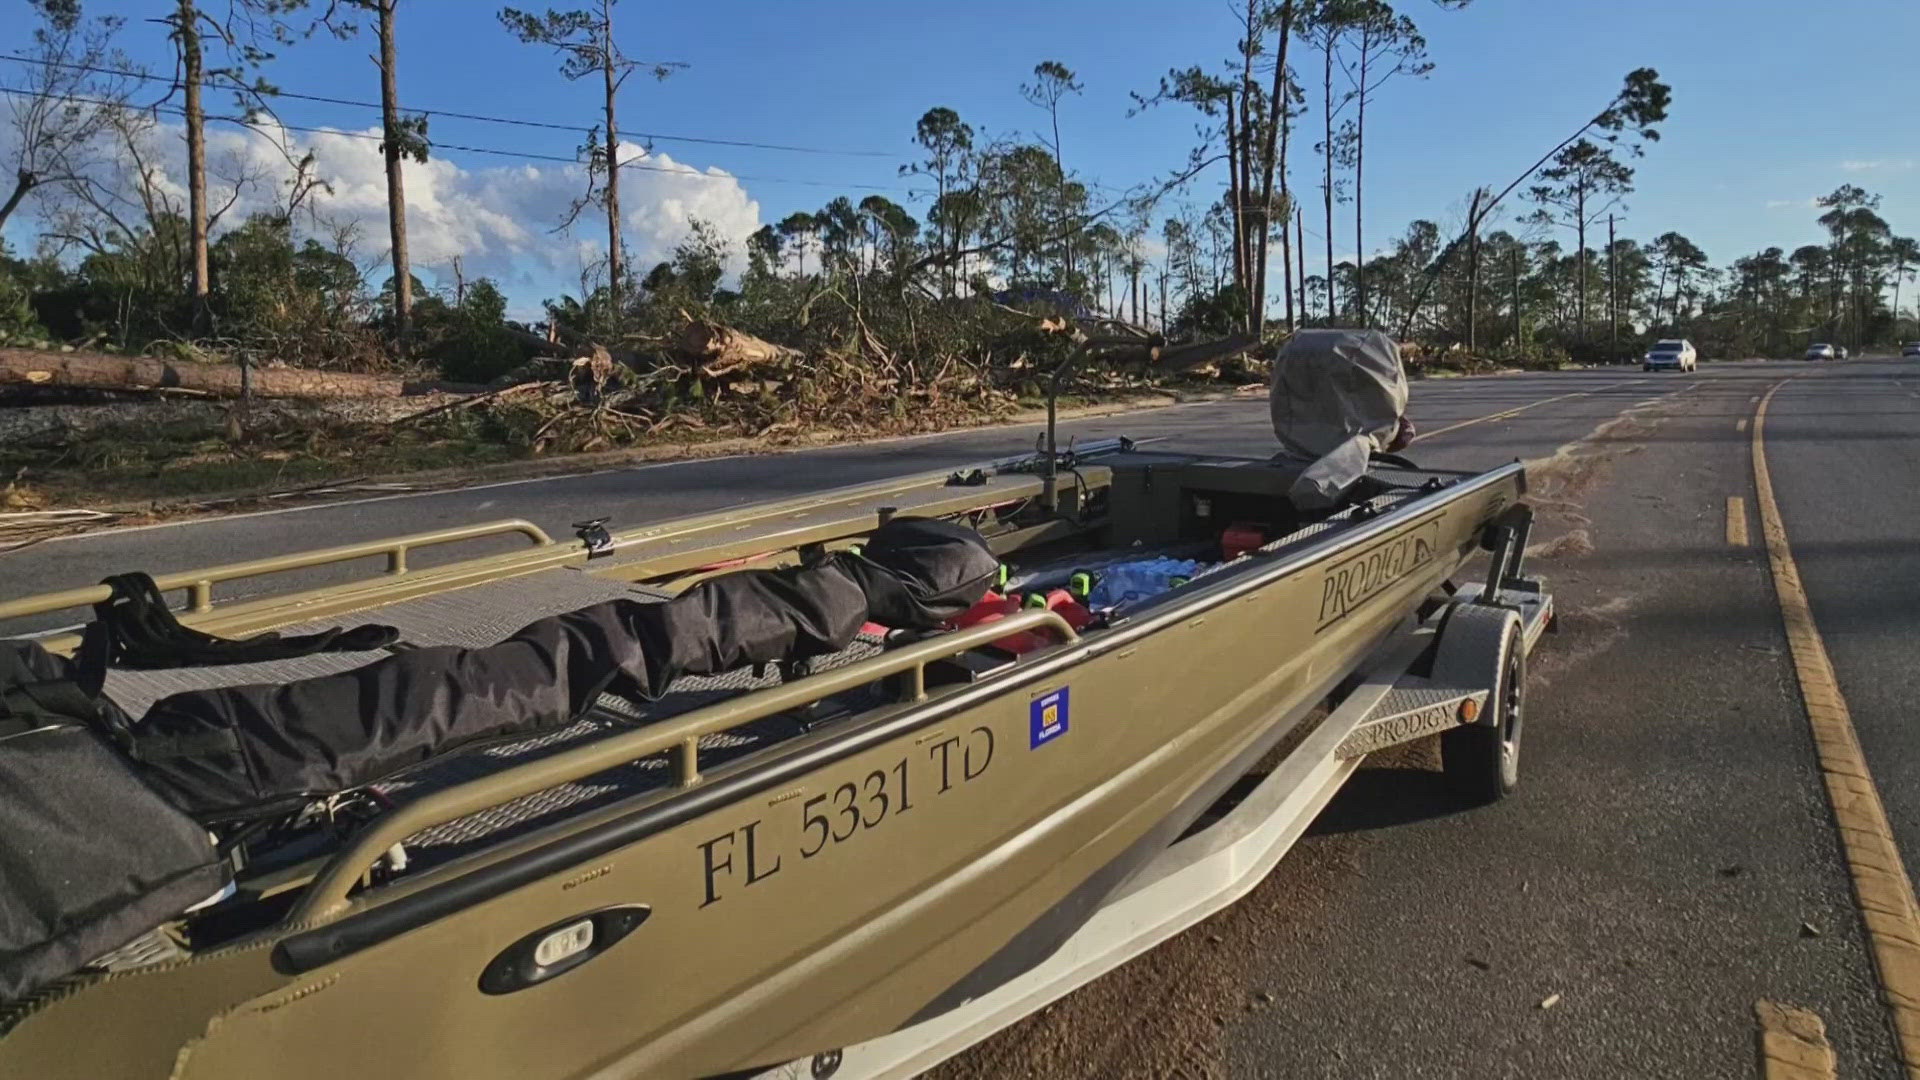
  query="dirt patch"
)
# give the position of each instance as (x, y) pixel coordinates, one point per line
(1167, 1013)
(1571, 544)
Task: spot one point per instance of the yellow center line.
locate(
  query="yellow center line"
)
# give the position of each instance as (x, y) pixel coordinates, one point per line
(1793, 1043)
(1736, 521)
(1881, 887)
(1520, 409)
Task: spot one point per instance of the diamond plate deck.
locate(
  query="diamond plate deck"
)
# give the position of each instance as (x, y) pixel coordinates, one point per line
(1413, 709)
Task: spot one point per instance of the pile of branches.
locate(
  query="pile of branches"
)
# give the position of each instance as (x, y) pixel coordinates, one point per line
(915, 368)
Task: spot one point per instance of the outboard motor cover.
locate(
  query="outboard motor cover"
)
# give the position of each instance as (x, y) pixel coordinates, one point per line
(1338, 397)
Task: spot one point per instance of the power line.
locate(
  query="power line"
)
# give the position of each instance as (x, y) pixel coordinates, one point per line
(451, 114)
(689, 171)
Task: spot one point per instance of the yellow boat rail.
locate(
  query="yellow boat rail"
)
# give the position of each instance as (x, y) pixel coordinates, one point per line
(199, 583)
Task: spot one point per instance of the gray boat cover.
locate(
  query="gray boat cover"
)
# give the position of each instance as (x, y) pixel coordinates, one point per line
(1338, 396)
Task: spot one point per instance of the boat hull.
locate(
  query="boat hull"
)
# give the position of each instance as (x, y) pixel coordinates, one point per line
(825, 892)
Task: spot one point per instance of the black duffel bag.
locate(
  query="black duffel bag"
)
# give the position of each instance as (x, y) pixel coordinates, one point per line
(90, 856)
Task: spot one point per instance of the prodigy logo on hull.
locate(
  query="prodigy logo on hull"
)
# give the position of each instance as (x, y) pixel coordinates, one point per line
(1353, 581)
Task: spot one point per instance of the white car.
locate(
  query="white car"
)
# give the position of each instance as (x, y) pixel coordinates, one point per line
(1820, 352)
(1678, 355)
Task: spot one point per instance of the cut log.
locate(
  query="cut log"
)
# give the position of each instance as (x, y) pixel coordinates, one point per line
(721, 350)
(98, 371)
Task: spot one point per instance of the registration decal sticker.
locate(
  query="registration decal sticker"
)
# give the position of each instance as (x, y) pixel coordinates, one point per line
(1048, 713)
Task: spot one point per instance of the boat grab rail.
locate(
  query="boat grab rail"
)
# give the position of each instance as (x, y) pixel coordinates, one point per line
(326, 899)
(199, 583)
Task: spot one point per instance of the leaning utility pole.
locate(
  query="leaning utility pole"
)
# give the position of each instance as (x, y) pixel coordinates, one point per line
(1613, 297)
(1473, 270)
(611, 76)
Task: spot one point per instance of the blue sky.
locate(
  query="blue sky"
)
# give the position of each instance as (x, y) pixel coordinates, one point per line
(1775, 102)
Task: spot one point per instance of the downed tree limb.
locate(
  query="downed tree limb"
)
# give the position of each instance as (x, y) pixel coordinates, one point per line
(1129, 353)
(722, 350)
(539, 345)
(478, 399)
(1116, 327)
(1182, 357)
(98, 371)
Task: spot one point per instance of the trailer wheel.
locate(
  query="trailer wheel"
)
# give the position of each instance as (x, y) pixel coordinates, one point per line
(1482, 646)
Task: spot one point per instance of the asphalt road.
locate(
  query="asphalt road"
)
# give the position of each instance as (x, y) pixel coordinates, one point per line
(1559, 407)
(1671, 859)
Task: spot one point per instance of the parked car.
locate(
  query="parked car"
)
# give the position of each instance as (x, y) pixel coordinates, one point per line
(1678, 354)
(1820, 352)
(1912, 348)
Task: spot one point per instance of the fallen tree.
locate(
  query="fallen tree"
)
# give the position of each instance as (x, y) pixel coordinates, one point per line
(99, 371)
(722, 350)
(1188, 357)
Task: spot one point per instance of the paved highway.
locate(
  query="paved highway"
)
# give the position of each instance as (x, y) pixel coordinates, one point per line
(1670, 870)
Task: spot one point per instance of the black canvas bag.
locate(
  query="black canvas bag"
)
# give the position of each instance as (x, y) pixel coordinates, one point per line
(90, 856)
(917, 573)
(142, 632)
(240, 752)
(762, 616)
(234, 753)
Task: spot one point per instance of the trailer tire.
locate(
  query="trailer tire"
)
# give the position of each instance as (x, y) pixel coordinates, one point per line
(1481, 645)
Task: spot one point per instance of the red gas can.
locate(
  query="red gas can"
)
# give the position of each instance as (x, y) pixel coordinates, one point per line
(1241, 538)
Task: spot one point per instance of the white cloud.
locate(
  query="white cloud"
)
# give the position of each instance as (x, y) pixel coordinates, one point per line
(499, 220)
(1782, 204)
(1878, 164)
